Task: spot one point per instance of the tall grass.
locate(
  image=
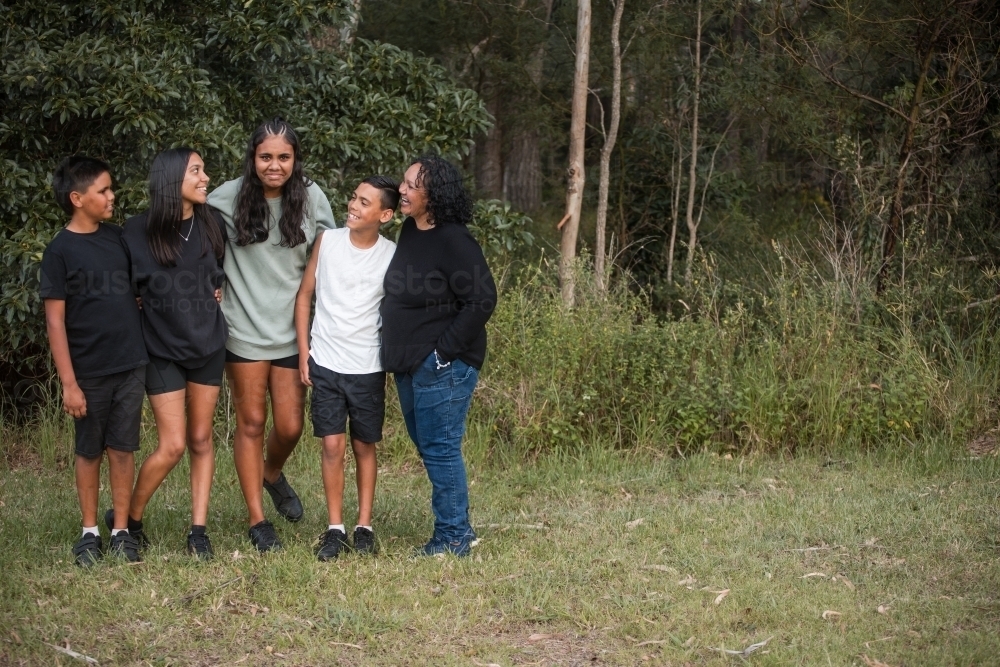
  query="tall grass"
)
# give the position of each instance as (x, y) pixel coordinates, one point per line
(811, 359)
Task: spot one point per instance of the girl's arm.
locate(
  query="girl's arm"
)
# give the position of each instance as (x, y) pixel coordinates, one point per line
(303, 308)
(74, 402)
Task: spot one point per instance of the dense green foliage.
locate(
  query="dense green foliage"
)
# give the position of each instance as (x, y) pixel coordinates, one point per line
(122, 81)
(808, 363)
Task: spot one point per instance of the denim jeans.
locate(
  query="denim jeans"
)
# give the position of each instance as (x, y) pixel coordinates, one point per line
(435, 402)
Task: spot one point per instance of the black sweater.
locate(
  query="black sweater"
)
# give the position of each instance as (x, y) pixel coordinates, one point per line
(439, 294)
(181, 320)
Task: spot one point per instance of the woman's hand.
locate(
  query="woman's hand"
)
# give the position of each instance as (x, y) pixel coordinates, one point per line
(218, 295)
(304, 370)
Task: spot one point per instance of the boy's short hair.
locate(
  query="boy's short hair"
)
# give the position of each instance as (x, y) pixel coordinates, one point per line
(75, 174)
(388, 189)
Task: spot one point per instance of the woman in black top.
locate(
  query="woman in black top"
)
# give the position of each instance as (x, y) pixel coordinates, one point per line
(439, 294)
(176, 248)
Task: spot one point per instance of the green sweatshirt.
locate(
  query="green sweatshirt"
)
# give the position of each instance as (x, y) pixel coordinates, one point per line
(262, 278)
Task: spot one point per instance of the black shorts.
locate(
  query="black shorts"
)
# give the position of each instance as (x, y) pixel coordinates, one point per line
(164, 376)
(284, 362)
(337, 396)
(114, 413)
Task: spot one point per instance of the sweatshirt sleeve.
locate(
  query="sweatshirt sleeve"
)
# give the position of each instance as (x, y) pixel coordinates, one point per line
(475, 292)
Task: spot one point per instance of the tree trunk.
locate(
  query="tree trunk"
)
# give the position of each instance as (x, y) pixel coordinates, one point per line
(350, 27)
(575, 173)
(675, 182)
(609, 143)
(692, 225)
(892, 230)
(522, 178)
(489, 156)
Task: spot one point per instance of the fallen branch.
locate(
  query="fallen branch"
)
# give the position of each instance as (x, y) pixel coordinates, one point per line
(745, 653)
(71, 653)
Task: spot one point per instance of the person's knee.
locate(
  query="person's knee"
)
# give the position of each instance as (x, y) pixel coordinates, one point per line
(117, 458)
(288, 429)
(172, 450)
(200, 443)
(252, 423)
(334, 447)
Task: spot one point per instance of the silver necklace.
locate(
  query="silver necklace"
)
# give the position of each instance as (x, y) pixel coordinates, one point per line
(190, 229)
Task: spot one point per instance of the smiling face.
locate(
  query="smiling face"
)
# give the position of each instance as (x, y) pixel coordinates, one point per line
(194, 187)
(413, 197)
(273, 160)
(365, 210)
(97, 202)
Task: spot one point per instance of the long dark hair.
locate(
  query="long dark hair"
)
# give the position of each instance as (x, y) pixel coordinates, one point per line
(251, 214)
(166, 210)
(448, 202)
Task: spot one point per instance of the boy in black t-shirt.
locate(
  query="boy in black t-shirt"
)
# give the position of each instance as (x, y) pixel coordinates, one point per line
(94, 332)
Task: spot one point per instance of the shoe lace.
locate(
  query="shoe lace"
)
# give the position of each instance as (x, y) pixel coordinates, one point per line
(199, 542)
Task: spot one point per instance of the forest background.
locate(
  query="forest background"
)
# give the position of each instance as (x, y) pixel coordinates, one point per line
(802, 197)
(755, 426)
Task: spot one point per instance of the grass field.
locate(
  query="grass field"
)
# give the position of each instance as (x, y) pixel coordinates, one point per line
(602, 558)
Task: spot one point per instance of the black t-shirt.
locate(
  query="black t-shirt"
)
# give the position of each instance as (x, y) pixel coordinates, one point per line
(181, 320)
(439, 294)
(90, 272)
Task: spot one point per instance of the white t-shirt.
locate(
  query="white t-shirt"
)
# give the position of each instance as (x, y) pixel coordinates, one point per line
(347, 327)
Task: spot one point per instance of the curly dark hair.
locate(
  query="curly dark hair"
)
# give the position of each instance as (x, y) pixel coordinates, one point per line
(251, 214)
(448, 201)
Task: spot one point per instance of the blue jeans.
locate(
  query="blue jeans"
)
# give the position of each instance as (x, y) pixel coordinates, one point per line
(435, 402)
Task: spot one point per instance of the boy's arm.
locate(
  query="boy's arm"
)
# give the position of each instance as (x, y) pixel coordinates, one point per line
(303, 308)
(74, 402)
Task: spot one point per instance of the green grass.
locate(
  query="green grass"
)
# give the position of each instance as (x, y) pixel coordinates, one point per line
(604, 558)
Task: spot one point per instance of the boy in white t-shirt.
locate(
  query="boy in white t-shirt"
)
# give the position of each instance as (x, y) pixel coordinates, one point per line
(341, 361)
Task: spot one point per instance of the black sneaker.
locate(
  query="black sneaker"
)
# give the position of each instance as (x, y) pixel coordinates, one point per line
(200, 546)
(331, 543)
(263, 537)
(125, 546)
(285, 500)
(134, 528)
(364, 540)
(87, 550)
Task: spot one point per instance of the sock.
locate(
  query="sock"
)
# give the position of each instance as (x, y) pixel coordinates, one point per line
(368, 528)
(197, 530)
(338, 526)
(115, 531)
(134, 526)
(92, 531)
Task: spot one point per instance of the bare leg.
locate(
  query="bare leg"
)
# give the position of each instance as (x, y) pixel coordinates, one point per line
(88, 482)
(288, 397)
(367, 470)
(248, 385)
(121, 471)
(201, 410)
(334, 447)
(168, 410)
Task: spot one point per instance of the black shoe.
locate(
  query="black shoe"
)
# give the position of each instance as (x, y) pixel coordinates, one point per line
(331, 543)
(200, 546)
(87, 550)
(134, 528)
(125, 546)
(364, 540)
(263, 537)
(286, 501)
